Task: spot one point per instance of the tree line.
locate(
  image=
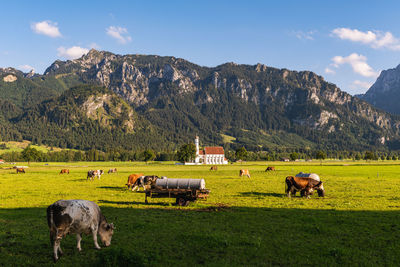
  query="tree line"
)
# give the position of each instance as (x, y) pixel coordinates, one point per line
(187, 153)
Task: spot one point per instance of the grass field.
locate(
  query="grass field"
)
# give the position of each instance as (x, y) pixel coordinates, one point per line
(14, 146)
(244, 222)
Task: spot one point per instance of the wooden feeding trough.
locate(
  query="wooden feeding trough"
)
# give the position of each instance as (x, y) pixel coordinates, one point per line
(183, 190)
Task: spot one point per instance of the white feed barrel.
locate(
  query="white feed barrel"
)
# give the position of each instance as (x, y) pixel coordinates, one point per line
(309, 175)
(170, 183)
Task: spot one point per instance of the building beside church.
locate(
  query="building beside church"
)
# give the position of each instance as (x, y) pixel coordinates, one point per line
(209, 154)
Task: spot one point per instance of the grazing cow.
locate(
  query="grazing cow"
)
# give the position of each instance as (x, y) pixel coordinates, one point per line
(144, 181)
(244, 172)
(306, 186)
(22, 170)
(77, 217)
(64, 171)
(114, 170)
(214, 168)
(93, 174)
(270, 168)
(132, 179)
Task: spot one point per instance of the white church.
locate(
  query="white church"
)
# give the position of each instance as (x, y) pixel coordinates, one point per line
(210, 154)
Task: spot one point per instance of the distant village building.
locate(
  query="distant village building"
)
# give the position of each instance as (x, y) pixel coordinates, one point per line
(1, 161)
(285, 159)
(210, 154)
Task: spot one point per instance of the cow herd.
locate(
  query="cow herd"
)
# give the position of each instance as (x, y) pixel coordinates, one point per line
(84, 216)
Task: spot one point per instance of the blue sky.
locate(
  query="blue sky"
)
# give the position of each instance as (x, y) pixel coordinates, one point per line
(347, 42)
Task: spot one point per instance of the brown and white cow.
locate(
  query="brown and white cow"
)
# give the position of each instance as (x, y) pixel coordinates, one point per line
(306, 186)
(270, 168)
(132, 179)
(214, 168)
(114, 170)
(64, 171)
(20, 170)
(244, 172)
(76, 217)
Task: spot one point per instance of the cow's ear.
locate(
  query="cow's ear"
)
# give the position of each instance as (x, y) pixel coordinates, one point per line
(112, 226)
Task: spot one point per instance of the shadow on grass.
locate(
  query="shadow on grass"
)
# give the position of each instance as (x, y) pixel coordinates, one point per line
(261, 194)
(245, 236)
(131, 203)
(116, 188)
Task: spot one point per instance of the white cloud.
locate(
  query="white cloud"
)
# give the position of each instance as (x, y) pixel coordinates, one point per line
(304, 35)
(329, 71)
(119, 33)
(72, 52)
(46, 28)
(375, 39)
(357, 84)
(26, 67)
(358, 64)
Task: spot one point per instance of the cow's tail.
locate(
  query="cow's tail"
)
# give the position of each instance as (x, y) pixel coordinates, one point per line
(50, 223)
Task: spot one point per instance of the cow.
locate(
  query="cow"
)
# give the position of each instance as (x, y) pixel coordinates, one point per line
(306, 186)
(214, 168)
(22, 170)
(132, 179)
(76, 217)
(93, 174)
(244, 172)
(64, 171)
(270, 168)
(114, 170)
(144, 181)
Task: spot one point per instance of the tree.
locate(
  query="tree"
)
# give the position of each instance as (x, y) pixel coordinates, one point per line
(320, 155)
(241, 153)
(186, 152)
(148, 155)
(293, 156)
(369, 155)
(30, 154)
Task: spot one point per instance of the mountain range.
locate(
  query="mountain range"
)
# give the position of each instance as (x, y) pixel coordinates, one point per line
(385, 92)
(104, 100)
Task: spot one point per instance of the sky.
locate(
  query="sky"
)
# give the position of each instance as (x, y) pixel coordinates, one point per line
(347, 42)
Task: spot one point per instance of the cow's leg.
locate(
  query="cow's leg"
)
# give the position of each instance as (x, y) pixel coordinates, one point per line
(288, 191)
(57, 247)
(134, 187)
(53, 244)
(78, 239)
(94, 233)
(294, 191)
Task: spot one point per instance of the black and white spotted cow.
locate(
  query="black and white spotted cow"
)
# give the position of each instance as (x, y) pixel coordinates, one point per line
(144, 181)
(77, 217)
(93, 174)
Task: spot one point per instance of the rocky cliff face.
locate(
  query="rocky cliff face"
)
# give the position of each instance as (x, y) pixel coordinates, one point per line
(140, 79)
(250, 103)
(385, 92)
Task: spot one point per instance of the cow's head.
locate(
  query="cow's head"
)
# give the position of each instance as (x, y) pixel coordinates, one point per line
(320, 189)
(106, 231)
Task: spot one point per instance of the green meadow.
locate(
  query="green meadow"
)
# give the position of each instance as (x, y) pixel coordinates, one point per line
(245, 221)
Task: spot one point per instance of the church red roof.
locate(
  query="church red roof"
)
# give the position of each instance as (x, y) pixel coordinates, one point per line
(214, 150)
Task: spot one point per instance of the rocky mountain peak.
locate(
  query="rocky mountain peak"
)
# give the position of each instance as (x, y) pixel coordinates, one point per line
(385, 92)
